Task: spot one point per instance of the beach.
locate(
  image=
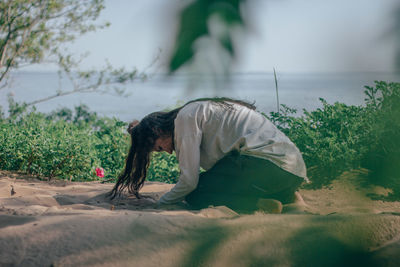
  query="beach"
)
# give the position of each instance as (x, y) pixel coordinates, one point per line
(62, 223)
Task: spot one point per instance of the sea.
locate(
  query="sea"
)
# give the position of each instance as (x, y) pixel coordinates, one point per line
(163, 92)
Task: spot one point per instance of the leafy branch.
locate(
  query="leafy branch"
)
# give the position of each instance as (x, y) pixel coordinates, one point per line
(107, 80)
(31, 31)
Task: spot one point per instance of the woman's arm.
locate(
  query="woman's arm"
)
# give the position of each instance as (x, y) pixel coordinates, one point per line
(188, 152)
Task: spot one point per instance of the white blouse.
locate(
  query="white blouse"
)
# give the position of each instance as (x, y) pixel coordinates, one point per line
(205, 132)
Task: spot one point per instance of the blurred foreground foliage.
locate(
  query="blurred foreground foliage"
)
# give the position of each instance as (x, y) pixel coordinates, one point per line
(339, 137)
(204, 24)
(70, 144)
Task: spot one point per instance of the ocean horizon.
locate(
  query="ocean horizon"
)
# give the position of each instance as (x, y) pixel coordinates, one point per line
(161, 91)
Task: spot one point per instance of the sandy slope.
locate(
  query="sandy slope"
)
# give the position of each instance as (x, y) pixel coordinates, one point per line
(64, 224)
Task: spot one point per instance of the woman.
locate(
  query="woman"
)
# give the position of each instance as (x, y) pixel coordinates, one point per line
(246, 158)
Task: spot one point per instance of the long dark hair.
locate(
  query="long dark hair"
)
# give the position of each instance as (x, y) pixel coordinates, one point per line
(143, 137)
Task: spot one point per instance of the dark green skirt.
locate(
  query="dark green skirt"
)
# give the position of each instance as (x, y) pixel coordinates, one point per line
(239, 181)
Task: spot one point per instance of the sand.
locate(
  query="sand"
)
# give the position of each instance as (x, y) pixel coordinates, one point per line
(73, 224)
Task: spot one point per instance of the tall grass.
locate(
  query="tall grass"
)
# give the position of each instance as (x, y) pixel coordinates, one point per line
(277, 91)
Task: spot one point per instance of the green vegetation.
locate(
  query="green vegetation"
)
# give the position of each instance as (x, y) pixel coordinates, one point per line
(70, 145)
(339, 137)
(333, 139)
(34, 32)
(213, 22)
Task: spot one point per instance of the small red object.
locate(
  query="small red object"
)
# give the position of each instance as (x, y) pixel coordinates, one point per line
(100, 172)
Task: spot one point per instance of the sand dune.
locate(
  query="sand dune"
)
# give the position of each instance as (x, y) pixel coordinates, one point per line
(64, 224)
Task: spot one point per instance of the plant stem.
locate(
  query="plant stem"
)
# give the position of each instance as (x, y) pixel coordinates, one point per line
(276, 88)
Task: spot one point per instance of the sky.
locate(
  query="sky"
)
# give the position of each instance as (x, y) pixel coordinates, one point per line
(289, 35)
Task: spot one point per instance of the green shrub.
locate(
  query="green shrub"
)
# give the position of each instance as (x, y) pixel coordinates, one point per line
(330, 138)
(383, 152)
(163, 168)
(71, 145)
(37, 146)
(339, 137)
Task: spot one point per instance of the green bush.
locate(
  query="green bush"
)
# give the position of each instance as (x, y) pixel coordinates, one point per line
(163, 168)
(383, 152)
(37, 146)
(330, 138)
(339, 137)
(70, 145)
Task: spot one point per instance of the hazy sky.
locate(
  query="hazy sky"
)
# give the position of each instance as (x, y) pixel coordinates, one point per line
(290, 35)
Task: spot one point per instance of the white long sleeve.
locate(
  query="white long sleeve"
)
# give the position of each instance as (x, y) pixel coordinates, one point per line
(189, 165)
(187, 148)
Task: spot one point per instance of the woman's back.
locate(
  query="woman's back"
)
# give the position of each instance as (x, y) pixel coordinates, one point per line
(220, 129)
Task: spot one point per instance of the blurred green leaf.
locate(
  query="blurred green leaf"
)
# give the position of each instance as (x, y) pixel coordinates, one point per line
(194, 24)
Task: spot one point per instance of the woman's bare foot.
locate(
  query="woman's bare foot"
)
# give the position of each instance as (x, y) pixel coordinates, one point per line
(269, 205)
(298, 199)
(297, 206)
